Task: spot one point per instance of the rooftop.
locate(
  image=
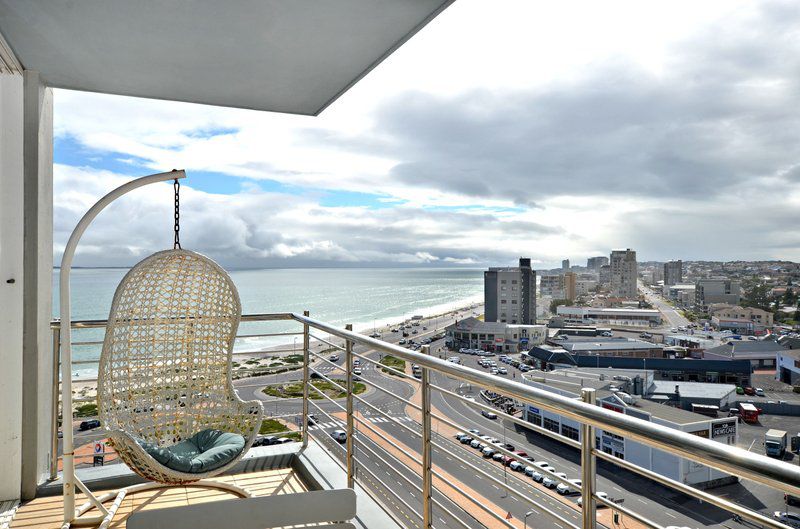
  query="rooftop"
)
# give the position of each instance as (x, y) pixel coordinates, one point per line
(692, 389)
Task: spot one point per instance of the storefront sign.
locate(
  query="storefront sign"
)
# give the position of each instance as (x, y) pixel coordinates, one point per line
(723, 429)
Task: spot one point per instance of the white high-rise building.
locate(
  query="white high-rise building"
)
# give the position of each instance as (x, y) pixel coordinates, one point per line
(623, 273)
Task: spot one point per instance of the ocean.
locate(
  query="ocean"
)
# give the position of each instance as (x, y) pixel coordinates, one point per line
(365, 297)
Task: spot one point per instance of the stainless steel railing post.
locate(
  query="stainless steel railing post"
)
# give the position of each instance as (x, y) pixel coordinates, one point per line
(55, 399)
(588, 468)
(306, 359)
(427, 476)
(348, 362)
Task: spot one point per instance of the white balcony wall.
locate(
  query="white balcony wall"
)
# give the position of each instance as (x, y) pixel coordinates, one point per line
(11, 294)
(26, 262)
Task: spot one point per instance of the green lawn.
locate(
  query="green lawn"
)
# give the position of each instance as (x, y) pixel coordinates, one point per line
(393, 361)
(295, 389)
(86, 410)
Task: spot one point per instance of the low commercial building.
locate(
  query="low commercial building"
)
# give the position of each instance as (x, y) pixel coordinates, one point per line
(610, 316)
(682, 294)
(493, 336)
(761, 353)
(685, 394)
(600, 346)
(788, 366)
(710, 291)
(736, 372)
(741, 320)
(611, 394)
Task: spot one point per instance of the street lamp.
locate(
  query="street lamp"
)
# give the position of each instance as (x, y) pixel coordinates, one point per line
(525, 520)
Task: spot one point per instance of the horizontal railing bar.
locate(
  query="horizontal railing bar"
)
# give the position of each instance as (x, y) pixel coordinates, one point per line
(502, 450)
(89, 324)
(394, 395)
(628, 512)
(408, 480)
(723, 457)
(521, 422)
(447, 511)
(267, 334)
(478, 504)
(701, 495)
(91, 342)
(508, 487)
(320, 392)
(394, 445)
(388, 368)
(324, 412)
(323, 340)
(386, 415)
(325, 360)
(364, 468)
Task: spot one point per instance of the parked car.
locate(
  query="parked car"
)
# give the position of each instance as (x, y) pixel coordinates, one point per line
(599, 505)
(498, 457)
(508, 446)
(516, 466)
(333, 358)
(749, 391)
(551, 482)
(489, 414)
(488, 452)
(563, 489)
(739, 390)
(474, 431)
(536, 476)
(339, 436)
(474, 443)
(760, 392)
(466, 439)
(89, 425)
(502, 371)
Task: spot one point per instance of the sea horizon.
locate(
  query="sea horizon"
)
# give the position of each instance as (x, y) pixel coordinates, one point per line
(365, 297)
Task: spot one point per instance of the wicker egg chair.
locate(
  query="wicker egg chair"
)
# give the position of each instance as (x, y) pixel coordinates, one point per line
(165, 368)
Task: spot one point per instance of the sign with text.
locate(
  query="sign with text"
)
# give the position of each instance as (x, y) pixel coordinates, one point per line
(723, 429)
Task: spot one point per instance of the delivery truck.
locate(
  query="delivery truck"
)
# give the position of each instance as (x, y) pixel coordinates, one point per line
(775, 443)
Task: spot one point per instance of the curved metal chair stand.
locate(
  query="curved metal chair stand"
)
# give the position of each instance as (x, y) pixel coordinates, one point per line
(165, 369)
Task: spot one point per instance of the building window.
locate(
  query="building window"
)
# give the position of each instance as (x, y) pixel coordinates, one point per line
(551, 425)
(513, 281)
(569, 431)
(502, 281)
(502, 302)
(502, 288)
(535, 418)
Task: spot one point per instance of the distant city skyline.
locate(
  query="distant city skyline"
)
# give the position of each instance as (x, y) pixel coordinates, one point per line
(550, 136)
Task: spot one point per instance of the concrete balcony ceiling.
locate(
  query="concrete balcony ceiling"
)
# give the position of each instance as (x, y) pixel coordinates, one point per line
(295, 56)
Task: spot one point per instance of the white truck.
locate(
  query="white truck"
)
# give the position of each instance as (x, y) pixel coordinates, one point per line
(775, 443)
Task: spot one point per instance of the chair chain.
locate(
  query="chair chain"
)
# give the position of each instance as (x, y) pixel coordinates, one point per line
(177, 187)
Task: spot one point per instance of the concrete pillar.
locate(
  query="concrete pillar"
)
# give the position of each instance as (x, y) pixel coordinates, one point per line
(38, 282)
(11, 283)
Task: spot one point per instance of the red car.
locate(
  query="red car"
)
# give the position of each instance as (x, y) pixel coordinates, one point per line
(521, 454)
(749, 391)
(507, 460)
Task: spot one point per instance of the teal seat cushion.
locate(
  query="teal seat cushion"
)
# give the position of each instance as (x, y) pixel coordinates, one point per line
(203, 452)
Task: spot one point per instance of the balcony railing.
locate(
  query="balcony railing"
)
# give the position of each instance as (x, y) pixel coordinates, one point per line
(419, 472)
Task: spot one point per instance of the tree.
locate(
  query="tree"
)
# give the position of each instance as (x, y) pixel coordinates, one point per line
(556, 302)
(756, 294)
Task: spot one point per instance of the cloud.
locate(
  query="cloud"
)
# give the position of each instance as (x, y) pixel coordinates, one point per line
(666, 127)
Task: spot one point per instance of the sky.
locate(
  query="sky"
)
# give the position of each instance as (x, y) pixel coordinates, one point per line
(503, 129)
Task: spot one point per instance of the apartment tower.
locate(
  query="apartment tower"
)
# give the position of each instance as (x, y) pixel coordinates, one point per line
(510, 294)
(623, 273)
(673, 273)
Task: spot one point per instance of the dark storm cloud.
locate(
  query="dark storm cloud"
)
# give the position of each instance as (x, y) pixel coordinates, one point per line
(724, 112)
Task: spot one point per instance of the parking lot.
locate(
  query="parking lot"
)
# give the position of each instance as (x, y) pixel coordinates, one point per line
(751, 436)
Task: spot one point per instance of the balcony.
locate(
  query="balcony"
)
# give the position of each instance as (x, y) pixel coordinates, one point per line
(400, 455)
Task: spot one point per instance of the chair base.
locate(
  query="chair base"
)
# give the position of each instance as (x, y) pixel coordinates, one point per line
(103, 521)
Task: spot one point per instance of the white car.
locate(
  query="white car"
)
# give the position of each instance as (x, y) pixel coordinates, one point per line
(504, 371)
(517, 466)
(789, 518)
(760, 392)
(551, 482)
(563, 489)
(544, 465)
(494, 371)
(599, 505)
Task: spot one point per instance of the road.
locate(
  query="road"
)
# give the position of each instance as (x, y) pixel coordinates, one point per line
(673, 317)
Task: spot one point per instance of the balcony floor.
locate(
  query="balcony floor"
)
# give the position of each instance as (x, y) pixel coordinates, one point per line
(46, 512)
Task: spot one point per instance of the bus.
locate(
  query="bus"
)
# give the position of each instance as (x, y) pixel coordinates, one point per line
(749, 412)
